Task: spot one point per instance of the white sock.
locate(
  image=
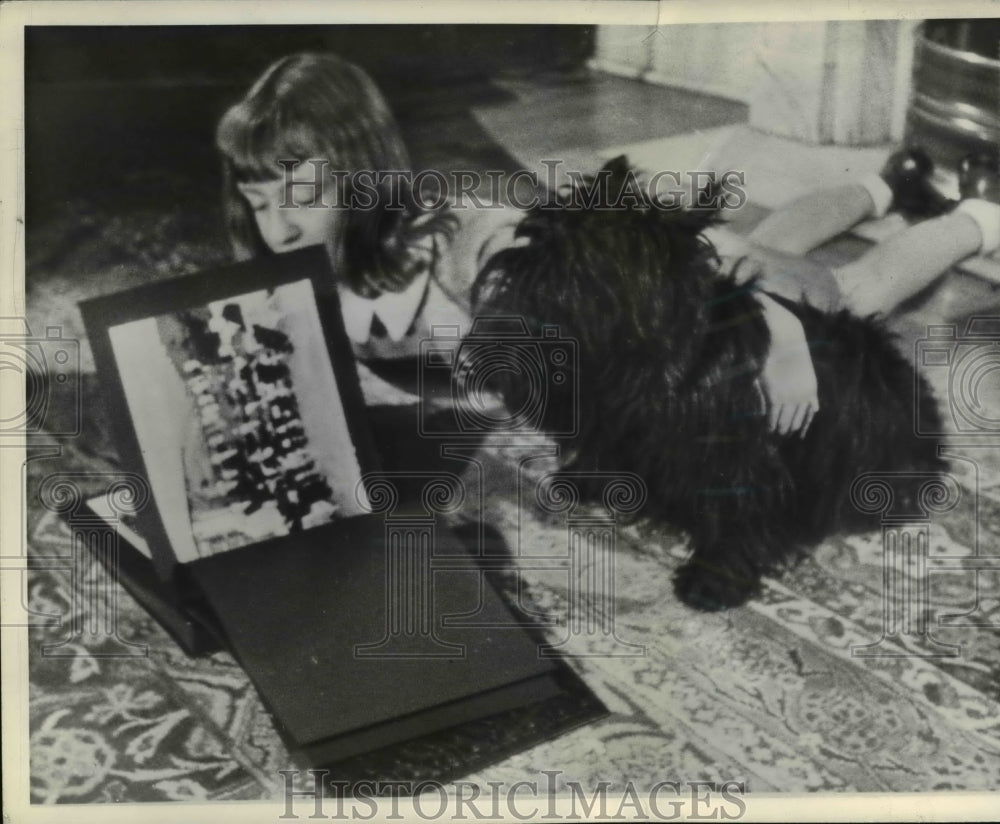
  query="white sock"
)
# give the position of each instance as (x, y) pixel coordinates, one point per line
(987, 217)
(880, 192)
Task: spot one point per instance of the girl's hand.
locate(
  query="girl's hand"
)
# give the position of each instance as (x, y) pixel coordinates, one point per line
(788, 382)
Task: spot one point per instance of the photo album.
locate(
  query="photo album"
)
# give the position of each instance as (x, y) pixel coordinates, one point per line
(235, 403)
(235, 396)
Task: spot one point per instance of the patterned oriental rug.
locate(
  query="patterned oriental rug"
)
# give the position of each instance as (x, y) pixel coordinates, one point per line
(769, 694)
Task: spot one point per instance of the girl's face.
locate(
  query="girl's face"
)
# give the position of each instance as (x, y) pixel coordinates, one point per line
(291, 213)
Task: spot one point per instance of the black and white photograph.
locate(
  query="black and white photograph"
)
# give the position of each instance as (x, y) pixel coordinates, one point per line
(589, 411)
(235, 406)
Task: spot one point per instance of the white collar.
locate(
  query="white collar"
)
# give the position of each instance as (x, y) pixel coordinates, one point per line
(396, 310)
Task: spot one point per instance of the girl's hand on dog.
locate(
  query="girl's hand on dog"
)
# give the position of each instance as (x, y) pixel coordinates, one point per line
(788, 381)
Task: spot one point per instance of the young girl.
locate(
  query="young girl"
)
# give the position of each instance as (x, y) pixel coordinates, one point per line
(291, 149)
(312, 120)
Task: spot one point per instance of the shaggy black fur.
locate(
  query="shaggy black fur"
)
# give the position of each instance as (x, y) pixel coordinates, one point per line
(669, 354)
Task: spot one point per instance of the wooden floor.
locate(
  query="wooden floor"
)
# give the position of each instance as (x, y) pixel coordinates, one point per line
(574, 119)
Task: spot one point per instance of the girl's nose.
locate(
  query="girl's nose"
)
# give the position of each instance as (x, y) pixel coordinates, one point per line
(282, 231)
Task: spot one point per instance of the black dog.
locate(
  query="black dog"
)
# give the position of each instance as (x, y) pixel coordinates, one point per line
(670, 351)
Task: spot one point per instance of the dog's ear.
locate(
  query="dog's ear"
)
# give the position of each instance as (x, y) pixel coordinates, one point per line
(616, 171)
(618, 185)
(618, 177)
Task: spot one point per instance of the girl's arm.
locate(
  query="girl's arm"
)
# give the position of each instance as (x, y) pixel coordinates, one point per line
(788, 381)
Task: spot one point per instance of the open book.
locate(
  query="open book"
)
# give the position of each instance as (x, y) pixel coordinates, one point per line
(267, 531)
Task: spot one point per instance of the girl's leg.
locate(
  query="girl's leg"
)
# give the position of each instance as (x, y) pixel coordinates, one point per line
(814, 218)
(903, 265)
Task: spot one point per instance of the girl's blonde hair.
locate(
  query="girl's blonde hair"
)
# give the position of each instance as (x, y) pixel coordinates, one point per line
(320, 107)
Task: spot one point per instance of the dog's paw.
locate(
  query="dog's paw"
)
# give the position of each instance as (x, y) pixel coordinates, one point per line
(712, 590)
